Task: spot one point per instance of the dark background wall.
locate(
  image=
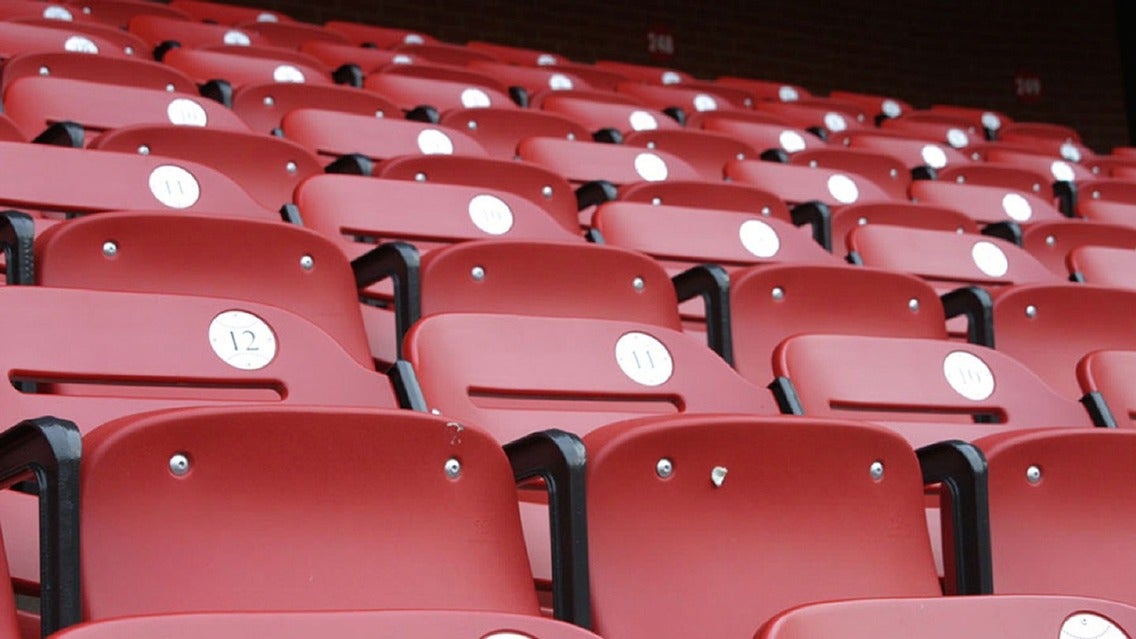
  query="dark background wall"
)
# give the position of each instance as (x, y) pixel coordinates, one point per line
(924, 51)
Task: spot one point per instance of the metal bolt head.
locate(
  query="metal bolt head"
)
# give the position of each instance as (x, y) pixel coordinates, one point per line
(766, 211)
(471, 125)
(651, 144)
(664, 468)
(453, 468)
(546, 191)
(893, 173)
(960, 179)
(863, 221)
(638, 284)
(1031, 311)
(128, 50)
(741, 156)
(179, 464)
(876, 470)
(419, 177)
(718, 476)
(291, 168)
(307, 262)
(1096, 195)
(44, 70)
(379, 114)
(1033, 475)
(913, 305)
(1050, 240)
(110, 249)
(655, 201)
(1037, 187)
(812, 164)
(269, 101)
(435, 411)
(143, 150)
(778, 293)
(477, 273)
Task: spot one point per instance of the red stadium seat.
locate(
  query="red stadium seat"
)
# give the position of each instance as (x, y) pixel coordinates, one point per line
(796, 184)
(332, 134)
(410, 92)
(625, 117)
(102, 69)
(16, 38)
(908, 214)
(501, 130)
(884, 170)
(707, 152)
(292, 34)
(1053, 244)
(118, 13)
(587, 161)
(913, 153)
(156, 30)
(376, 36)
(263, 106)
(229, 14)
(240, 70)
(986, 204)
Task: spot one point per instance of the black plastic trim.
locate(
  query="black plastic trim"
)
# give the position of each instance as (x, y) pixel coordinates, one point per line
(962, 469)
(712, 283)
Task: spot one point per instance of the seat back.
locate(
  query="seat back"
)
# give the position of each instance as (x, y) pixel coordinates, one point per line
(103, 69)
(241, 259)
(771, 303)
(907, 214)
(796, 184)
(913, 153)
(572, 373)
(986, 204)
(726, 196)
(705, 151)
(885, 171)
(928, 389)
(156, 29)
(558, 279)
(586, 161)
(222, 13)
(332, 134)
(37, 102)
(1104, 265)
(1061, 504)
(239, 70)
(277, 509)
(267, 167)
(16, 38)
(1050, 327)
(725, 499)
(290, 34)
(410, 92)
(949, 617)
(623, 116)
(945, 258)
(1055, 243)
(501, 130)
(108, 181)
(263, 106)
(1107, 373)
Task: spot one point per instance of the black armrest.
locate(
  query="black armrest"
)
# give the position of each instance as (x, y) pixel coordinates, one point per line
(1066, 194)
(608, 135)
(49, 449)
(424, 113)
(349, 74)
(924, 173)
(17, 239)
(351, 164)
(780, 156)
(1009, 231)
(819, 216)
(519, 96)
(974, 303)
(595, 193)
(819, 131)
(1098, 409)
(594, 236)
(66, 133)
(400, 262)
(676, 114)
(559, 458)
(961, 468)
(786, 395)
(290, 213)
(218, 91)
(712, 283)
(164, 47)
(406, 386)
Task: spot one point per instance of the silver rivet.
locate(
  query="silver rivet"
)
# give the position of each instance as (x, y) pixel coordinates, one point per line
(478, 273)
(179, 464)
(894, 173)
(913, 305)
(778, 293)
(306, 262)
(1031, 311)
(269, 101)
(419, 177)
(976, 156)
(1037, 188)
(87, 10)
(960, 231)
(748, 103)
(546, 191)
(862, 221)
(876, 470)
(435, 411)
(143, 150)
(1096, 195)
(571, 136)
(638, 284)
(813, 164)
(110, 249)
(656, 201)
(741, 156)
(651, 144)
(129, 50)
(664, 468)
(1096, 170)
(1050, 240)
(471, 125)
(960, 179)
(1033, 474)
(379, 114)
(44, 71)
(170, 88)
(766, 211)
(291, 168)
(718, 476)
(453, 468)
